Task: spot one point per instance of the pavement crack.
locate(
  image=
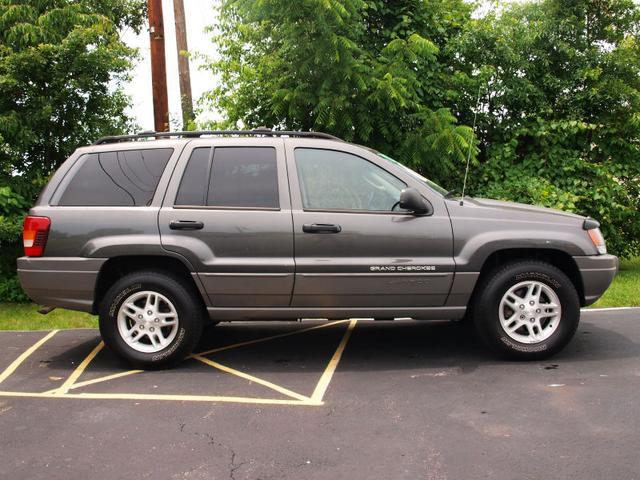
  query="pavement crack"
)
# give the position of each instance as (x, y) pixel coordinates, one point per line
(233, 466)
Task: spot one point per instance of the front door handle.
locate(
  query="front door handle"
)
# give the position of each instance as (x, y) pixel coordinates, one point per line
(321, 228)
(186, 225)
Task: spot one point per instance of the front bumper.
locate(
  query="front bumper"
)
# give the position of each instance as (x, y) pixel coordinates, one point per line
(597, 272)
(66, 282)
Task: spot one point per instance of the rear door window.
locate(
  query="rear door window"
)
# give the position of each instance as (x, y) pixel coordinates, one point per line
(233, 177)
(122, 178)
(244, 177)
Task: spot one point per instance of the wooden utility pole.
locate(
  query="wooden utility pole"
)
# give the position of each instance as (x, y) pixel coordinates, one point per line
(183, 64)
(158, 67)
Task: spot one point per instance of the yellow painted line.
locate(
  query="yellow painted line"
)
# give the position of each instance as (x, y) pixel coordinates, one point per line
(18, 361)
(325, 379)
(297, 399)
(175, 398)
(106, 378)
(246, 376)
(68, 384)
(266, 339)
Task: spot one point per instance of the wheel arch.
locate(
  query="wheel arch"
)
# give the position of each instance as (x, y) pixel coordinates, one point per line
(117, 267)
(557, 258)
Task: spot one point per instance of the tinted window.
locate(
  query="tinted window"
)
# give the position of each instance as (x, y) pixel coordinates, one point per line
(244, 177)
(193, 186)
(332, 180)
(124, 178)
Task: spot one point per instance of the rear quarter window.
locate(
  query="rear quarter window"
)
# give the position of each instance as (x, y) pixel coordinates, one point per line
(193, 187)
(121, 178)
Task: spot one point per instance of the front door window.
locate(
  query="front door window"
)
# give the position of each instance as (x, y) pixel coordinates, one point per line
(333, 180)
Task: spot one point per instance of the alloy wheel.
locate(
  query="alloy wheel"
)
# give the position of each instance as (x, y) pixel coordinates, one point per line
(530, 312)
(147, 321)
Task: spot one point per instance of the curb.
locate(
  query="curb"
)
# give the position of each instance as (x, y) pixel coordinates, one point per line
(609, 309)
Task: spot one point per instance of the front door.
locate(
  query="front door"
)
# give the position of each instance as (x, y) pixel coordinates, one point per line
(353, 247)
(227, 210)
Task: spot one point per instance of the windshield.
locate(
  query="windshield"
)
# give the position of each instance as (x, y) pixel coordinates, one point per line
(415, 175)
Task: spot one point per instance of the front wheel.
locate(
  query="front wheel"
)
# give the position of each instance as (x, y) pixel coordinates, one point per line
(527, 310)
(151, 319)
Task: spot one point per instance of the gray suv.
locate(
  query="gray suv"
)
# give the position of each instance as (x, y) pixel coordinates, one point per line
(161, 234)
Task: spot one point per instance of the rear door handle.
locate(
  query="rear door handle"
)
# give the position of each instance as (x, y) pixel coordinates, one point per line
(186, 225)
(321, 228)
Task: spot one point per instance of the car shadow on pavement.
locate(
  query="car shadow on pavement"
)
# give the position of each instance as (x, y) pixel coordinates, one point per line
(384, 345)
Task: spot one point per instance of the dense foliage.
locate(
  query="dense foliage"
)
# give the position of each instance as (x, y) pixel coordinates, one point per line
(558, 121)
(61, 64)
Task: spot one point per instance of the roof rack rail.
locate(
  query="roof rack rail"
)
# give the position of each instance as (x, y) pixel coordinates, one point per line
(201, 133)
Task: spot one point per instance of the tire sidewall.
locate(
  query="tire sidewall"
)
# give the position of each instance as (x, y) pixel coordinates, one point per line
(488, 320)
(189, 321)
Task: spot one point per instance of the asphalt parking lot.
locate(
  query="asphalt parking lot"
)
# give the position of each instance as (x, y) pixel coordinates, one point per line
(348, 399)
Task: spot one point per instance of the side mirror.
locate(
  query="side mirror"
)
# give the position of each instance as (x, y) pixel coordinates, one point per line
(410, 199)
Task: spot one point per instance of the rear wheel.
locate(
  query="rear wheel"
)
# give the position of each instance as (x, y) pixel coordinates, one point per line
(151, 319)
(527, 310)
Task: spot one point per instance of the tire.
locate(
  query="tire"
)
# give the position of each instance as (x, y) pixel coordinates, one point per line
(164, 312)
(527, 331)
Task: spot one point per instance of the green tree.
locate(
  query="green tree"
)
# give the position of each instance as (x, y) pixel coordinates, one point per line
(61, 64)
(61, 67)
(559, 123)
(372, 72)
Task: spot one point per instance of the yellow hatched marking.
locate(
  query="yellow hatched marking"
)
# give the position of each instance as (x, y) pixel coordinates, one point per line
(327, 375)
(106, 378)
(266, 339)
(68, 384)
(246, 376)
(297, 399)
(18, 361)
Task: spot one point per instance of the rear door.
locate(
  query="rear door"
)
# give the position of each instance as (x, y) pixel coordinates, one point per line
(227, 210)
(353, 248)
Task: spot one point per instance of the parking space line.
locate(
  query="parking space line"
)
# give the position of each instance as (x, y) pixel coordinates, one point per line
(106, 378)
(18, 361)
(246, 376)
(266, 339)
(149, 396)
(327, 375)
(66, 386)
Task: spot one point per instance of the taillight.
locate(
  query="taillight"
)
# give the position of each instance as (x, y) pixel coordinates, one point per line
(34, 235)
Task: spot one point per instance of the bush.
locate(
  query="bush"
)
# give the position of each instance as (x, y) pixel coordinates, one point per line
(552, 171)
(11, 291)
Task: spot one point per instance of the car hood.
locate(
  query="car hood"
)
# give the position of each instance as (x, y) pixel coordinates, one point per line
(522, 208)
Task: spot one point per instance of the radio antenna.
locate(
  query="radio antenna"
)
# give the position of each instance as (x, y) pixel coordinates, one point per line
(473, 130)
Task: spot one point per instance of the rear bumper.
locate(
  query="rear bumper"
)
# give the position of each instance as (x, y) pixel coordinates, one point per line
(597, 273)
(66, 282)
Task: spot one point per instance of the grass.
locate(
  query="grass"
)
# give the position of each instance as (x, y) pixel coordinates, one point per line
(25, 316)
(624, 292)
